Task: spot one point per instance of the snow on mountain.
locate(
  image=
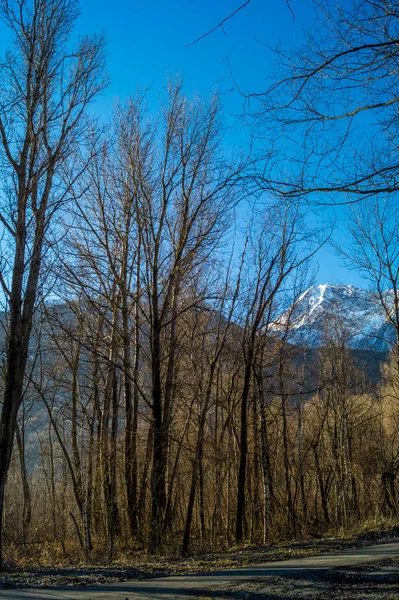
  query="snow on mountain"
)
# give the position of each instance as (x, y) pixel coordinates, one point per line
(325, 311)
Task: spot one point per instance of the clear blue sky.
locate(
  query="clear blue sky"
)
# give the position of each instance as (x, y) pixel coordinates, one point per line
(146, 43)
(147, 40)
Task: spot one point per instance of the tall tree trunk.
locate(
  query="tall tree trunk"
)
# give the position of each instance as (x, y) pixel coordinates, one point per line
(114, 524)
(130, 463)
(27, 499)
(158, 484)
(21, 308)
(301, 462)
(106, 437)
(197, 465)
(241, 481)
(131, 392)
(161, 411)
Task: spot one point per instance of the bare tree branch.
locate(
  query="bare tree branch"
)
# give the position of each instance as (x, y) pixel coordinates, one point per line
(219, 25)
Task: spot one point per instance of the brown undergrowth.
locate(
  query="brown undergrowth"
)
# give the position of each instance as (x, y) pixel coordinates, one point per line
(50, 564)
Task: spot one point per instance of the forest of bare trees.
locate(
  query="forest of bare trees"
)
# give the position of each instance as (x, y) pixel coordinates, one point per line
(147, 402)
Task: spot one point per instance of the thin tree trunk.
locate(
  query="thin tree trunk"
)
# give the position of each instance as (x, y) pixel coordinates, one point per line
(241, 482)
(27, 499)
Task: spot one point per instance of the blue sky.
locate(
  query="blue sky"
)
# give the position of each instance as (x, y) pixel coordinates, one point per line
(146, 43)
(147, 40)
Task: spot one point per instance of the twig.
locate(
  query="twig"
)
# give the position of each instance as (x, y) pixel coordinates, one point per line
(219, 25)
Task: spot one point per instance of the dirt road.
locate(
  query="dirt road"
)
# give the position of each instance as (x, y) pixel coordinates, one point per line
(201, 585)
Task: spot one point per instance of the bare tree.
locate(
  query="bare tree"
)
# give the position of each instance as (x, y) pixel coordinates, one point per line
(186, 192)
(374, 252)
(331, 114)
(213, 352)
(275, 257)
(45, 89)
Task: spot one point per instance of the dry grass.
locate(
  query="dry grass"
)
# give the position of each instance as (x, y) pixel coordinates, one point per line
(50, 564)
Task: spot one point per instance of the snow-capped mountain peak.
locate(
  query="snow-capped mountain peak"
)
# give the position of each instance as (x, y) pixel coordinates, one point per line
(328, 310)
